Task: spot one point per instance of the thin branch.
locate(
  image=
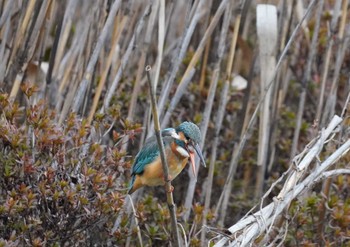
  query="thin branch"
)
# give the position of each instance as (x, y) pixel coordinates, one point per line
(251, 227)
(168, 187)
(136, 221)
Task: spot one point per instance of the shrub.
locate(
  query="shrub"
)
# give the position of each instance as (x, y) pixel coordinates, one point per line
(60, 185)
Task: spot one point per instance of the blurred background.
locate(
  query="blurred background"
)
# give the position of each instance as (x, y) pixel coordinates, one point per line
(75, 110)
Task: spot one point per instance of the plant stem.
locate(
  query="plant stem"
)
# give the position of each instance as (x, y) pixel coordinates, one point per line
(168, 187)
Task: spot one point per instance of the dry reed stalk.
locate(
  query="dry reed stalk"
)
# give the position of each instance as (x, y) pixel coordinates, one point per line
(124, 60)
(326, 186)
(207, 112)
(307, 75)
(306, 79)
(168, 187)
(26, 53)
(161, 40)
(179, 54)
(267, 35)
(248, 229)
(118, 27)
(21, 32)
(3, 52)
(204, 66)
(330, 105)
(187, 75)
(283, 77)
(80, 94)
(139, 80)
(227, 81)
(58, 9)
(68, 70)
(327, 59)
(240, 128)
(64, 34)
(238, 150)
(207, 47)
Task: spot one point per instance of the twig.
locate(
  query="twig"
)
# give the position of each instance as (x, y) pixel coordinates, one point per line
(333, 173)
(254, 225)
(136, 221)
(168, 186)
(183, 233)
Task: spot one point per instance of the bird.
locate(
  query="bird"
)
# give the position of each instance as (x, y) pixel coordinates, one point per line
(180, 145)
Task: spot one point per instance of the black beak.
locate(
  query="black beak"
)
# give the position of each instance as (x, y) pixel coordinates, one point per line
(199, 152)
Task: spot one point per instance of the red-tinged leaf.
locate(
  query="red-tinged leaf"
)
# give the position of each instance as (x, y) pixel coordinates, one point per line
(116, 135)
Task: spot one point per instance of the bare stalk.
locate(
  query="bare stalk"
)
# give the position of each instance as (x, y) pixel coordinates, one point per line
(136, 221)
(179, 55)
(26, 55)
(243, 140)
(267, 34)
(306, 79)
(251, 227)
(326, 65)
(111, 89)
(66, 28)
(179, 92)
(220, 114)
(168, 187)
(102, 82)
(78, 99)
(228, 77)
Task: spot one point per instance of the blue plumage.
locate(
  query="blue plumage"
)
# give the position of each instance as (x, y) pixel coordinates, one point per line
(186, 138)
(149, 153)
(191, 131)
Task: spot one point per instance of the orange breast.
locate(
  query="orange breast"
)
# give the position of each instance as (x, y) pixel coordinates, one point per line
(153, 172)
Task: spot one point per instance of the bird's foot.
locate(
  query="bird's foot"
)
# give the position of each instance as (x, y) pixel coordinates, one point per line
(171, 189)
(169, 178)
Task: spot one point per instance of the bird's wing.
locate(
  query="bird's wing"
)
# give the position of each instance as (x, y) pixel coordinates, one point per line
(148, 153)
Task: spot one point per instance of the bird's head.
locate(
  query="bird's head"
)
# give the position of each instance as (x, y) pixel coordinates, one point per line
(189, 138)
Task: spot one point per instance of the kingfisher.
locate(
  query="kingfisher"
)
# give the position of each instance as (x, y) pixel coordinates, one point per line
(180, 145)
